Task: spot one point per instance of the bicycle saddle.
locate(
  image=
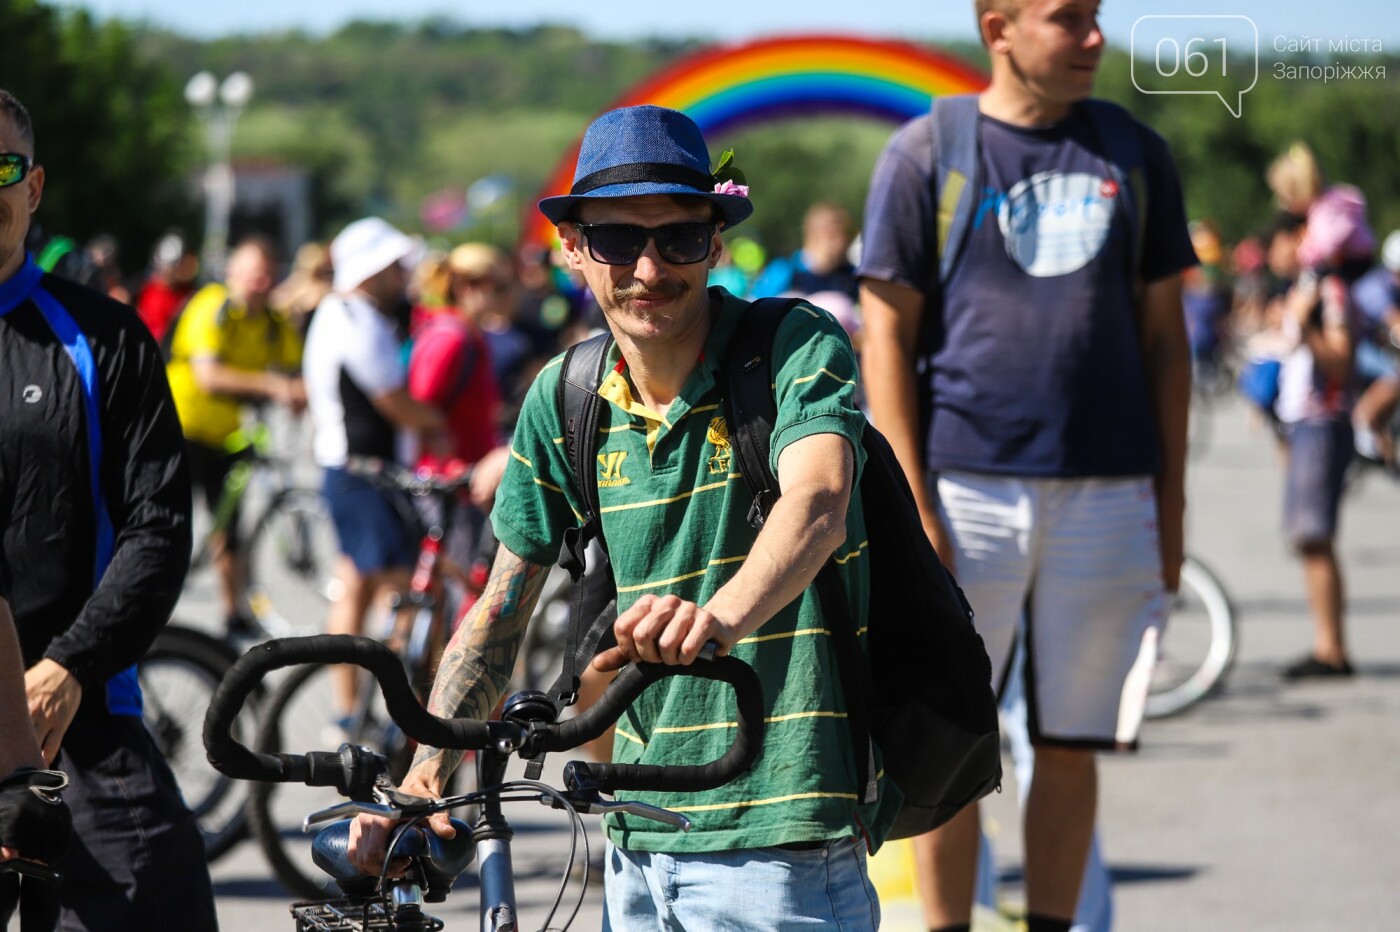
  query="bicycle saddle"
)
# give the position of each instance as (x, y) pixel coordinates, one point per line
(442, 859)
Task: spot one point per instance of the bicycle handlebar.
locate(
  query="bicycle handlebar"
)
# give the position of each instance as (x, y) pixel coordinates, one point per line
(389, 474)
(346, 771)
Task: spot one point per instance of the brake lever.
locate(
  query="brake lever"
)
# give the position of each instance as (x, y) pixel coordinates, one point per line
(643, 810)
(587, 801)
(347, 809)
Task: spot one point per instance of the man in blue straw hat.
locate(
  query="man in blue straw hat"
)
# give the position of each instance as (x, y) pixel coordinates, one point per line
(642, 226)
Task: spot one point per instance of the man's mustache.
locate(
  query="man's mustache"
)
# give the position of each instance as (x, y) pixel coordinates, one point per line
(671, 289)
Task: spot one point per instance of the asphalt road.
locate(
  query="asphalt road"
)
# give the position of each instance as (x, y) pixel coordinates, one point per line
(1270, 806)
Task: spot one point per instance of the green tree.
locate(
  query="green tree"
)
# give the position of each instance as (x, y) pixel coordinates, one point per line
(112, 130)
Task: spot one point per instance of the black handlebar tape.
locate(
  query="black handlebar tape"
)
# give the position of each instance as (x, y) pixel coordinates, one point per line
(233, 759)
(748, 737)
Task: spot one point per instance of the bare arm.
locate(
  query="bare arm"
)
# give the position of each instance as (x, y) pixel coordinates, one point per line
(805, 527)
(218, 378)
(807, 524)
(18, 748)
(891, 314)
(1329, 342)
(1167, 358)
(406, 413)
(476, 666)
(473, 675)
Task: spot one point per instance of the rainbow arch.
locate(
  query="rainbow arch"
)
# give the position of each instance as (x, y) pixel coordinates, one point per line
(725, 88)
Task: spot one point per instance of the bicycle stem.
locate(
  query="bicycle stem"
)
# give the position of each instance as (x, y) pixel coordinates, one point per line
(493, 837)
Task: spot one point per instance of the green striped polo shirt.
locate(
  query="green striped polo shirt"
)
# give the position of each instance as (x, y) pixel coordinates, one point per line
(673, 509)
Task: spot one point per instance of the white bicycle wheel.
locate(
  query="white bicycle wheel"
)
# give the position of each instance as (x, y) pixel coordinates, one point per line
(1198, 645)
(291, 564)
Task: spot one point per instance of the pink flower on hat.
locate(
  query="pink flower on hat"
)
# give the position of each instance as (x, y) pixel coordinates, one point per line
(729, 187)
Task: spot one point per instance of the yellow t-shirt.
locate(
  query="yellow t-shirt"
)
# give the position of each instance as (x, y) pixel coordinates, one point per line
(213, 327)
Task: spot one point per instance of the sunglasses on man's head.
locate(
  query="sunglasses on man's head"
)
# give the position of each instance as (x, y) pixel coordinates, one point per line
(13, 168)
(624, 243)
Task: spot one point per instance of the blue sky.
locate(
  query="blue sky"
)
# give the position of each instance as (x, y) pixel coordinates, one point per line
(627, 19)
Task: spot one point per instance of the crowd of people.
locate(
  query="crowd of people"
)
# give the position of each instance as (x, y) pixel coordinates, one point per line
(1051, 483)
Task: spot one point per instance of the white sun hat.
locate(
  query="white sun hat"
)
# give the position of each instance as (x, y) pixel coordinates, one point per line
(367, 247)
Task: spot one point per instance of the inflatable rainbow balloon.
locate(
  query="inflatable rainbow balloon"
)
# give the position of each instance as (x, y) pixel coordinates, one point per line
(727, 87)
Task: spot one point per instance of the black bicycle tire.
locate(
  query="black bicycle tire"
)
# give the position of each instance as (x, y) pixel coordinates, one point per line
(212, 658)
(290, 499)
(1208, 678)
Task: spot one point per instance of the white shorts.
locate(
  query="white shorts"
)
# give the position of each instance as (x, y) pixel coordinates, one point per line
(1077, 561)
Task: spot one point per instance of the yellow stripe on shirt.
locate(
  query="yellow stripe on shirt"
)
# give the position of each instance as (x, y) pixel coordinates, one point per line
(667, 501)
(770, 720)
(820, 372)
(675, 579)
(750, 803)
(853, 554)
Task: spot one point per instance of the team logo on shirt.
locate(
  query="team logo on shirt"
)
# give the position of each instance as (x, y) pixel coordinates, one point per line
(718, 437)
(611, 474)
(32, 394)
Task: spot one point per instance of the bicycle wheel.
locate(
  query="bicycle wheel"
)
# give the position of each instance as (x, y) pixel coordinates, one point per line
(1198, 643)
(178, 677)
(297, 720)
(291, 564)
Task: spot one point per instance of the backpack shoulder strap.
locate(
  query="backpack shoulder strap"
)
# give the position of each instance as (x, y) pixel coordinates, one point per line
(1121, 138)
(752, 409)
(955, 175)
(579, 408)
(576, 398)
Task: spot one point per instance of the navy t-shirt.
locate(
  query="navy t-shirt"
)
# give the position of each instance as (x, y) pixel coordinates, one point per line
(1039, 370)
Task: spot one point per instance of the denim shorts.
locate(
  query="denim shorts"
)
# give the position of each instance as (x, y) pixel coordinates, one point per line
(1318, 455)
(755, 889)
(371, 532)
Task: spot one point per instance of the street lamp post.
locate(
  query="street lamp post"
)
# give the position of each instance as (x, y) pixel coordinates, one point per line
(218, 107)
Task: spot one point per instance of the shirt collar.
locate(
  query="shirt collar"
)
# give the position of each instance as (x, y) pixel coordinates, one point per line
(16, 289)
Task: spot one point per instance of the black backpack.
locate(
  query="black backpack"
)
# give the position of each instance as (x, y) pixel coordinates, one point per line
(925, 696)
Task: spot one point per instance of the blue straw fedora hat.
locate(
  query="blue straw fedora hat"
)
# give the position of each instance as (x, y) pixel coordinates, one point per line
(634, 151)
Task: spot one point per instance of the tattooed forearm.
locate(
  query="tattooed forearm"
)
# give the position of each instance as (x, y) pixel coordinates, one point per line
(477, 663)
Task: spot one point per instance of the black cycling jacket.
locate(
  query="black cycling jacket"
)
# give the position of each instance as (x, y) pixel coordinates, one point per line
(96, 521)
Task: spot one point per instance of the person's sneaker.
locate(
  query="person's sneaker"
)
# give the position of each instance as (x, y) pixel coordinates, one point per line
(338, 731)
(1310, 667)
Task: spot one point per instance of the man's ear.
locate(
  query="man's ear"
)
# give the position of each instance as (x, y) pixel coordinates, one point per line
(716, 247)
(571, 244)
(36, 187)
(994, 24)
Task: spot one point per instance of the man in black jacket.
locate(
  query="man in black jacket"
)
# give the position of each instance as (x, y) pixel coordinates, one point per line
(95, 514)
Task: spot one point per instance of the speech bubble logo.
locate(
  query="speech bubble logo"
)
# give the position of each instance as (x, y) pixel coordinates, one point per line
(1211, 54)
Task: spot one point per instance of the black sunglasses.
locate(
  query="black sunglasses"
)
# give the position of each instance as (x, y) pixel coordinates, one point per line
(623, 243)
(13, 168)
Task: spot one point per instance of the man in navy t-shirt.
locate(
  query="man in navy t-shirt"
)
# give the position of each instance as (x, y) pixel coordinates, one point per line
(1051, 474)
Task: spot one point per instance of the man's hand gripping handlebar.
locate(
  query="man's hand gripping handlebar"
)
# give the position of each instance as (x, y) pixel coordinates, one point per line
(361, 775)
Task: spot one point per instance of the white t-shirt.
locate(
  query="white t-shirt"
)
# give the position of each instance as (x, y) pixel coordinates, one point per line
(352, 356)
(1306, 393)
